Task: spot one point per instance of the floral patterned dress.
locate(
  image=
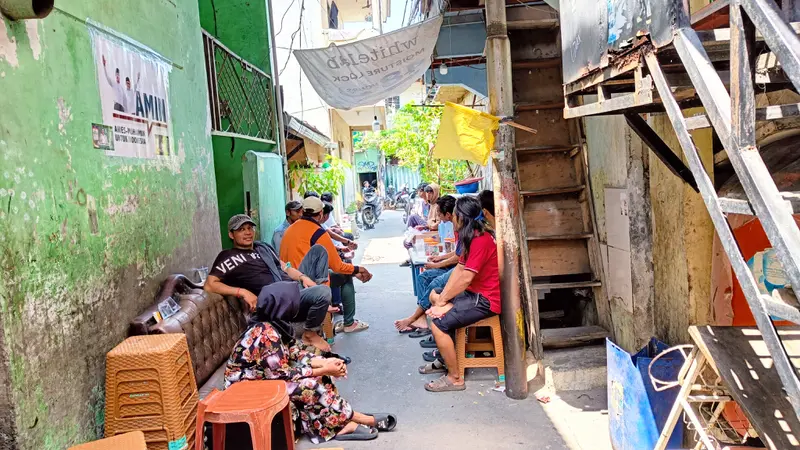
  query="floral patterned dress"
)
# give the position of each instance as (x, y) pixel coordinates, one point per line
(261, 355)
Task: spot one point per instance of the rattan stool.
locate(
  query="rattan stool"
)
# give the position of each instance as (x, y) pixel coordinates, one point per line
(494, 344)
(128, 441)
(253, 402)
(150, 387)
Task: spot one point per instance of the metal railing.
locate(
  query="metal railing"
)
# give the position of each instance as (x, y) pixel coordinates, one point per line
(241, 96)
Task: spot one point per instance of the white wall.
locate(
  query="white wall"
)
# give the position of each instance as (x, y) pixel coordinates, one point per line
(299, 97)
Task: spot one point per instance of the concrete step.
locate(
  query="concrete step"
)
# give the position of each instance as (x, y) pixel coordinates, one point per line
(575, 369)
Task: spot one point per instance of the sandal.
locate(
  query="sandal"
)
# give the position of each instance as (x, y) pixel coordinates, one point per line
(430, 368)
(361, 433)
(384, 421)
(360, 326)
(428, 343)
(431, 356)
(409, 330)
(420, 332)
(443, 384)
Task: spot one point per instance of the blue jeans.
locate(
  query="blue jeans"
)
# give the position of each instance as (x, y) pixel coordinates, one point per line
(428, 281)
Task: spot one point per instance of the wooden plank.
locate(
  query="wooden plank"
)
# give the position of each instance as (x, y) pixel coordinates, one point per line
(552, 129)
(553, 215)
(550, 258)
(543, 171)
(568, 285)
(537, 106)
(560, 237)
(538, 86)
(740, 357)
(537, 64)
(544, 149)
(572, 336)
(532, 24)
(551, 315)
(554, 191)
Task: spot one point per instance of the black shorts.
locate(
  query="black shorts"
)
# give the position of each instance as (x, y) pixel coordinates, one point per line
(468, 308)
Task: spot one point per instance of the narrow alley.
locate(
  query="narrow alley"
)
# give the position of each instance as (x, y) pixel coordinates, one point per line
(383, 378)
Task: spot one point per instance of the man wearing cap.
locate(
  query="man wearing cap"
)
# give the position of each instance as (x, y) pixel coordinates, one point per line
(306, 233)
(247, 271)
(294, 210)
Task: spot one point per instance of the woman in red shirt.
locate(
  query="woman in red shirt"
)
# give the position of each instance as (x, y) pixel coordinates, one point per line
(472, 293)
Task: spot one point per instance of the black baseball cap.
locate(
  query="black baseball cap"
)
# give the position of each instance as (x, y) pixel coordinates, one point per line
(294, 205)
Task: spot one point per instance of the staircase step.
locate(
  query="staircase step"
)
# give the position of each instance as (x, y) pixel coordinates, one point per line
(561, 237)
(567, 285)
(544, 149)
(535, 24)
(553, 191)
(572, 336)
(525, 106)
(576, 369)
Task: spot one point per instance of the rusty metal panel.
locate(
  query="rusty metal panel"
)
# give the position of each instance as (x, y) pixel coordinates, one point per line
(592, 34)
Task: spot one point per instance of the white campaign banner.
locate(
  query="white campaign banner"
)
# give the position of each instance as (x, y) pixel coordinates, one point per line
(134, 97)
(366, 72)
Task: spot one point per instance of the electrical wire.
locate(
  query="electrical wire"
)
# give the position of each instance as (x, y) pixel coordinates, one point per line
(294, 35)
(284, 16)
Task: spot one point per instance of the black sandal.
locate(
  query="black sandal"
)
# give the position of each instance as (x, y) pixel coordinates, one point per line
(384, 421)
(420, 332)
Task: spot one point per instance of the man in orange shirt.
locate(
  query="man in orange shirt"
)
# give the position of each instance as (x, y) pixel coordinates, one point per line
(305, 233)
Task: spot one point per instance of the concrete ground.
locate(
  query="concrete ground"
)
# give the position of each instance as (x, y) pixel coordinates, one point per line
(383, 377)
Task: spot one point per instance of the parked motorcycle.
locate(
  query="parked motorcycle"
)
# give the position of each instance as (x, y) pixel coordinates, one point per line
(402, 198)
(371, 209)
(389, 201)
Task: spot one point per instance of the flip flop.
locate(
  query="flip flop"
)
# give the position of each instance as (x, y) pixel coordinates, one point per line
(409, 329)
(360, 326)
(431, 368)
(384, 421)
(420, 332)
(431, 356)
(428, 343)
(362, 433)
(443, 384)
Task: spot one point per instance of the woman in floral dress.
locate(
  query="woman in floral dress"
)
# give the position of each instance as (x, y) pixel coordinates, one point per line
(263, 353)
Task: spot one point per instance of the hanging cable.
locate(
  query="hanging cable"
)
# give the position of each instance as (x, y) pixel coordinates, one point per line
(294, 35)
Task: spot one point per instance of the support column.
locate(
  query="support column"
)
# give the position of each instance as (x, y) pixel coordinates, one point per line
(514, 271)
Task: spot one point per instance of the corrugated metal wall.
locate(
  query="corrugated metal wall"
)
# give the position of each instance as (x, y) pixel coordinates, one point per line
(398, 176)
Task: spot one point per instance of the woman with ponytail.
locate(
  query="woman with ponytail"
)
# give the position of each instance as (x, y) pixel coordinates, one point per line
(472, 293)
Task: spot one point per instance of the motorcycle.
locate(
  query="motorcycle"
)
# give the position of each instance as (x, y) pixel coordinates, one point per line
(389, 201)
(402, 199)
(371, 209)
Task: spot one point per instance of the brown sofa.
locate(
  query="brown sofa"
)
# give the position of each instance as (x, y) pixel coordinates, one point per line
(212, 325)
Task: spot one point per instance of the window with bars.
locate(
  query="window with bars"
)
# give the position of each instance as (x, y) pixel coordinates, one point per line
(241, 96)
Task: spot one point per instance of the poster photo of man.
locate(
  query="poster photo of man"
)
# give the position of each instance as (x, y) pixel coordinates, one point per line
(133, 88)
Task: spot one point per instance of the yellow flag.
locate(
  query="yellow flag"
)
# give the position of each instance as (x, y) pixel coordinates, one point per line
(465, 134)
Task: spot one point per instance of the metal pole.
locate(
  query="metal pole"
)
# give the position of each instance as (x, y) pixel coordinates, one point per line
(512, 259)
(278, 102)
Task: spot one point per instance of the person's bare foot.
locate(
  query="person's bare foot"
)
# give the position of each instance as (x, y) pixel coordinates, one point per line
(458, 381)
(402, 324)
(349, 428)
(315, 340)
(420, 323)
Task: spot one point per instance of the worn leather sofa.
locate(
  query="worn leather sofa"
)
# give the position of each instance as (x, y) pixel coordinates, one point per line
(212, 325)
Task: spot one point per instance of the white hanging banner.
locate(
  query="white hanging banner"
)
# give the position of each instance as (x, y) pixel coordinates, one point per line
(366, 72)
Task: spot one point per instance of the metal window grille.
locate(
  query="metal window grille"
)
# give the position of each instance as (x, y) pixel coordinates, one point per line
(241, 96)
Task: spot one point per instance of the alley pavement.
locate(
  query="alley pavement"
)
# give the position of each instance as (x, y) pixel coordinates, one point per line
(383, 376)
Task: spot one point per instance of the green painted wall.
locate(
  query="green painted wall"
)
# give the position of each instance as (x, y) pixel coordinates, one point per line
(243, 27)
(228, 156)
(85, 239)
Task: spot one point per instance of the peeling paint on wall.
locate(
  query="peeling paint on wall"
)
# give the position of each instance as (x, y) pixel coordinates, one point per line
(8, 45)
(32, 26)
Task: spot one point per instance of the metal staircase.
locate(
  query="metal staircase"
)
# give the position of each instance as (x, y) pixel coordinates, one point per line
(651, 58)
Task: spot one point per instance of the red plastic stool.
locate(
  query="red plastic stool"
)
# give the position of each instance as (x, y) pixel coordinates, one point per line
(253, 402)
